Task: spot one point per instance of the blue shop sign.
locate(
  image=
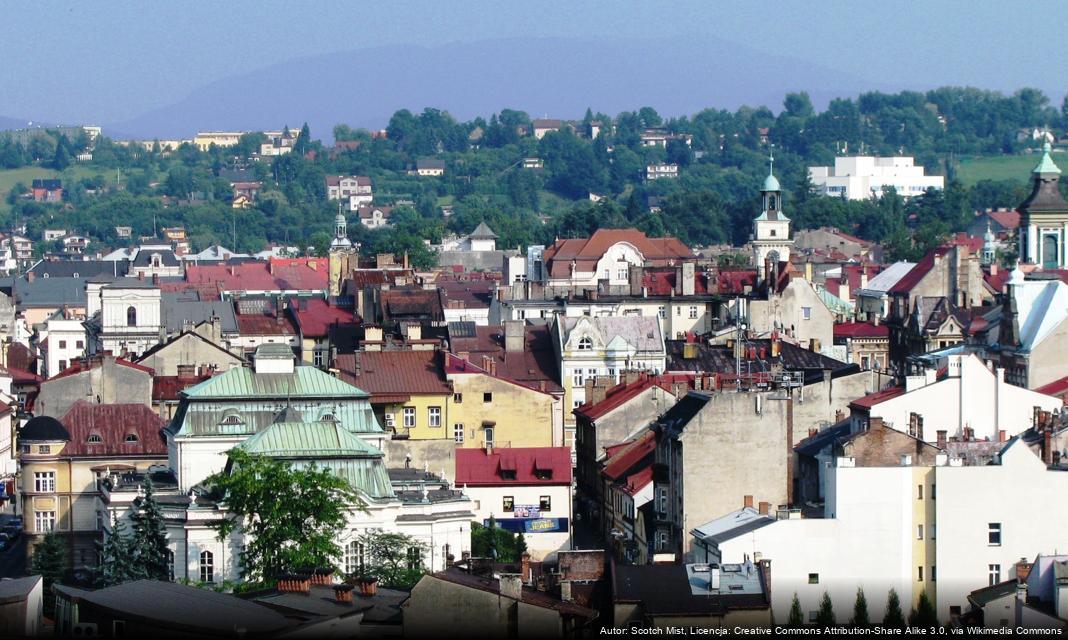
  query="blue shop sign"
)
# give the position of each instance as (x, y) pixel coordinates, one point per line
(532, 525)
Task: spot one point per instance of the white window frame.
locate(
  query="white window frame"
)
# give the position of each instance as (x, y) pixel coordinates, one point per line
(993, 529)
(458, 433)
(207, 567)
(44, 521)
(433, 415)
(693, 313)
(409, 417)
(44, 481)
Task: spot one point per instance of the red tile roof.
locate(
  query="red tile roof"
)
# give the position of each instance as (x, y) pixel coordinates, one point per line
(624, 458)
(662, 282)
(257, 317)
(113, 423)
(623, 393)
(20, 377)
(277, 274)
(861, 330)
(534, 367)
(395, 373)
(962, 239)
(735, 281)
(1007, 219)
(315, 316)
(635, 482)
(401, 304)
(476, 468)
(455, 365)
(872, 399)
(166, 388)
(20, 357)
(1057, 388)
(587, 251)
(467, 294)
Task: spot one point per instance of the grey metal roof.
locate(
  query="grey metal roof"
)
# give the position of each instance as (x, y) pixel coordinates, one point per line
(176, 307)
(84, 268)
(179, 607)
(732, 525)
(166, 256)
(46, 292)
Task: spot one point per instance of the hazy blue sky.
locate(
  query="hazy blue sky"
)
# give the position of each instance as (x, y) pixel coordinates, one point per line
(106, 62)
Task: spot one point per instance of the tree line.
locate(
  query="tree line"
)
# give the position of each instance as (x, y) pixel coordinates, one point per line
(722, 157)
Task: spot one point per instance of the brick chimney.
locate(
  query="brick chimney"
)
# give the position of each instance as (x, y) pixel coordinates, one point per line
(765, 508)
(747, 502)
(343, 592)
(941, 434)
(293, 583)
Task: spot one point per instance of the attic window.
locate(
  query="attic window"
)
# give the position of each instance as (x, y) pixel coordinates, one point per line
(585, 343)
(328, 417)
(94, 439)
(543, 474)
(508, 474)
(232, 420)
(130, 437)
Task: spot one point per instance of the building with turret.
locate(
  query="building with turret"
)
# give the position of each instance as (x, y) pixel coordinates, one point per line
(1044, 217)
(771, 229)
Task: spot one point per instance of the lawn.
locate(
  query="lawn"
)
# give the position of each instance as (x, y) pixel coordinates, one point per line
(1017, 168)
(26, 175)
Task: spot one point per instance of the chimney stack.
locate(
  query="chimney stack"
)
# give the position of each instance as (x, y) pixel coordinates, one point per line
(747, 502)
(765, 508)
(514, 333)
(511, 586)
(343, 592)
(941, 438)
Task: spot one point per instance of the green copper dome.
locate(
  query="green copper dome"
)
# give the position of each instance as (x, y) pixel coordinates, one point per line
(1046, 164)
(771, 183)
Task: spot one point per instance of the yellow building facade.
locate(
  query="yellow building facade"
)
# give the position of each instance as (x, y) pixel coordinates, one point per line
(489, 410)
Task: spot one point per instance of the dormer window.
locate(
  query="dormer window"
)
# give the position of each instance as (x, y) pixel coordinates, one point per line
(328, 417)
(94, 439)
(543, 474)
(585, 343)
(507, 474)
(130, 437)
(232, 420)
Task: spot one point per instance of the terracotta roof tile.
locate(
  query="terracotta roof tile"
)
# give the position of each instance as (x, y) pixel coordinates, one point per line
(861, 330)
(277, 274)
(476, 467)
(315, 316)
(872, 399)
(395, 373)
(114, 424)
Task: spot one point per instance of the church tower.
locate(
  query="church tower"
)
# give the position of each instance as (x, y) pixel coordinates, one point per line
(342, 253)
(1044, 218)
(771, 229)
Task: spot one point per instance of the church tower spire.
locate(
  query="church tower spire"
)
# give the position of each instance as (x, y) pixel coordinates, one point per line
(771, 229)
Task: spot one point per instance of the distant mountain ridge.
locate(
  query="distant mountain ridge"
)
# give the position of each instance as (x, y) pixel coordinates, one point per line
(557, 77)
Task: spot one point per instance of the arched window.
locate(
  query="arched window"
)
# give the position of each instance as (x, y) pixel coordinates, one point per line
(232, 419)
(94, 439)
(207, 566)
(130, 437)
(131, 317)
(585, 343)
(328, 417)
(354, 558)
(771, 203)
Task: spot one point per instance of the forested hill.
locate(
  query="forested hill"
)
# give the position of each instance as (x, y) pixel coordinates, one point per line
(713, 200)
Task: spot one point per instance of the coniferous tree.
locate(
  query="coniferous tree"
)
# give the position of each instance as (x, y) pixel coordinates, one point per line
(797, 617)
(118, 563)
(50, 562)
(924, 615)
(894, 618)
(860, 610)
(150, 537)
(825, 616)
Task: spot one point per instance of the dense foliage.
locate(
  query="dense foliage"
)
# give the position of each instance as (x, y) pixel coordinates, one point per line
(713, 200)
(290, 517)
(396, 560)
(493, 542)
(50, 562)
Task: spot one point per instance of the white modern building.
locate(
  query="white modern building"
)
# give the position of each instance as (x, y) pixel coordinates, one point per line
(62, 342)
(970, 396)
(127, 316)
(862, 177)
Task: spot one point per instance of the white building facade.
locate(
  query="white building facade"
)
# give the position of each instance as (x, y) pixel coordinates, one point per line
(863, 177)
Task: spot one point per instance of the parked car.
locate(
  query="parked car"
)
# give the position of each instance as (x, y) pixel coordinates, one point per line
(13, 531)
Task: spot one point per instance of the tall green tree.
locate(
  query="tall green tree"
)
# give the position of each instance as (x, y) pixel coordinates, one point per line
(150, 536)
(291, 516)
(860, 610)
(825, 615)
(494, 542)
(50, 562)
(395, 559)
(924, 615)
(797, 617)
(118, 558)
(893, 619)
